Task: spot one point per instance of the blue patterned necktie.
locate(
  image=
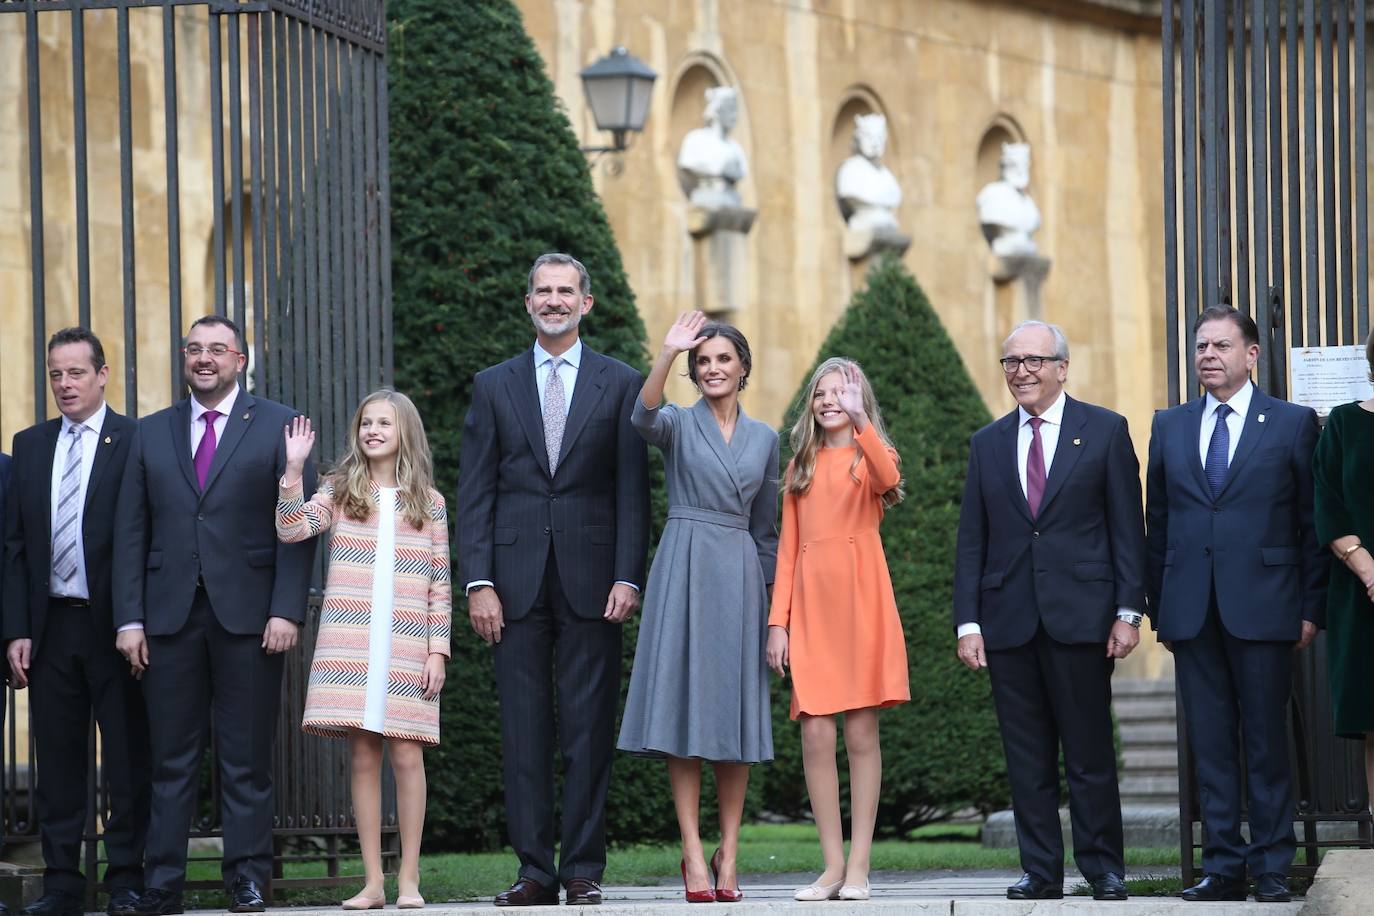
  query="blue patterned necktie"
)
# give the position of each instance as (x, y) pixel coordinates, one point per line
(1219, 452)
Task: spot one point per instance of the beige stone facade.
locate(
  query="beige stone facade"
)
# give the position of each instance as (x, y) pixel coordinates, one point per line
(1080, 82)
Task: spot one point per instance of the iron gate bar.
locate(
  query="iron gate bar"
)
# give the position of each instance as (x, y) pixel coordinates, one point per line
(83, 261)
(40, 375)
(1259, 195)
(1328, 198)
(1311, 305)
(217, 164)
(383, 349)
(1170, 190)
(126, 194)
(236, 166)
(1241, 171)
(255, 165)
(1342, 201)
(170, 115)
(1361, 186)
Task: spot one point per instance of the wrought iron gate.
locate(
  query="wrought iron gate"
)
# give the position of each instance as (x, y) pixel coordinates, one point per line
(293, 202)
(1266, 209)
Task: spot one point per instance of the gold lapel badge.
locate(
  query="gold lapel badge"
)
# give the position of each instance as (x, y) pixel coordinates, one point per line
(1078, 442)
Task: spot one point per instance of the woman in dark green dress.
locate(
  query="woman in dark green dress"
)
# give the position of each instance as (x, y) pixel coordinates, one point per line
(1344, 471)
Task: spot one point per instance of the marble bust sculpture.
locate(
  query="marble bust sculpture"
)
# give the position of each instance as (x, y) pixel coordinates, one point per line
(710, 163)
(867, 190)
(1006, 212)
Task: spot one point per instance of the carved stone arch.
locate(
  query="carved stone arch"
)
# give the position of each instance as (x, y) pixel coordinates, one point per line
(1003, 128)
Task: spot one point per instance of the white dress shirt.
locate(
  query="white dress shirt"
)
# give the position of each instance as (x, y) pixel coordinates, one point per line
(1235, 421)
(567, 371)
(197, 432)
(76, 586)
(1049, 442)
(198, 410)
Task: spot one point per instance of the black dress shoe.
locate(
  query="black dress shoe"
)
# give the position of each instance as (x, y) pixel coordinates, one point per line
(1216, 887)
(157, 902)
(244, 896)
(527, 892)
(1272, 888)
(1032, 888)
(582, 891)
(123, 902)
(54, 905)
(1108, 887)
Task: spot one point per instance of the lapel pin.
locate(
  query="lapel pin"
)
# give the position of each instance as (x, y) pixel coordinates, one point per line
(107, 440)
(246, 415)
(1078, 442)
(1260, 418)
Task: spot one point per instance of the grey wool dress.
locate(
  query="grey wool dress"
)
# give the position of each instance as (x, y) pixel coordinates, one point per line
(699, 686)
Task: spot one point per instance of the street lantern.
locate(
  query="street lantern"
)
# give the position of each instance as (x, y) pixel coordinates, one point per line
(618, 88)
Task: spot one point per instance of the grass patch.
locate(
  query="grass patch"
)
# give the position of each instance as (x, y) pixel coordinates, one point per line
(764, 849)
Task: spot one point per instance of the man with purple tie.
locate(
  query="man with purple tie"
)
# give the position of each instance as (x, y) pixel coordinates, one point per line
(206, 600)
(1049, 585)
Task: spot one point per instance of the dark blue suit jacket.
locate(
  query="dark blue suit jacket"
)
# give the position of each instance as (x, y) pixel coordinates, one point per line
(1255, 541)
(594, 509)
(1078, 560)
(168, 533)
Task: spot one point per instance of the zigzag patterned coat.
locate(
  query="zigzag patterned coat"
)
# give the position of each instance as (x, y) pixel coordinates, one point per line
(420, 619)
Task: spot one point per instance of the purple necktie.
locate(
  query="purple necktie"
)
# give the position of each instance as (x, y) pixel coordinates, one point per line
(1035, 468)
(205, 452)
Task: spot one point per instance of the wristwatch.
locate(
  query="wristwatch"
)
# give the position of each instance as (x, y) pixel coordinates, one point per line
(1131, 617)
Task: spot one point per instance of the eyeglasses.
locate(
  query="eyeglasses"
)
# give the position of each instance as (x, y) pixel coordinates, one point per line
(218, 351)
(1012, 364)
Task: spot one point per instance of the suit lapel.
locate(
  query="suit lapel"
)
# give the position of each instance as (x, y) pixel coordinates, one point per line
(710, 431)
(181, 441)
(1193, 426)
(51, 432)
(1004, 457)
(1066, 452)
(1250, 435)
(240, 418)
(591, 382)
(106, 443)
(524, 395)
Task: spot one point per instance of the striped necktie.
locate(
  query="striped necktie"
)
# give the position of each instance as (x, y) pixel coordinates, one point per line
(68, 492)
(1219, 452)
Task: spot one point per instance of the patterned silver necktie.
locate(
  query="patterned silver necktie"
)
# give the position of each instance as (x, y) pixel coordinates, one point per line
(555, 413)
(68, 491)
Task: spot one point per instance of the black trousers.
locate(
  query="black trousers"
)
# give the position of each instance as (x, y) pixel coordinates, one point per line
(77, 672)
(551, 646)
(197, 676)
(1050, 694)
(1231, 687)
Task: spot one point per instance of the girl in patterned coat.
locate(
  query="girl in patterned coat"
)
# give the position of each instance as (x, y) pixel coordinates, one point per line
(384, 627)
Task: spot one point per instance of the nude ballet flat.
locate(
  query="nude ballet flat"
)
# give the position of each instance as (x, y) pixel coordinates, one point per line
(814, 892)
(408, 902)
(854, 892)
(364, 902)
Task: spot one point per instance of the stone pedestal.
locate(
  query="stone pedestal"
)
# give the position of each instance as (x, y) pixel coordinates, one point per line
(1024, 274)
(720, 257)
(872, 243)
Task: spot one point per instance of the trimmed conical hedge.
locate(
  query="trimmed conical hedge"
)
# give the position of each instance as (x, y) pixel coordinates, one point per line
(486, 175)
(941, 751)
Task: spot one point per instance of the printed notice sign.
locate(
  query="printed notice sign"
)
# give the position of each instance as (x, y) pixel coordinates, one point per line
(1326, 377)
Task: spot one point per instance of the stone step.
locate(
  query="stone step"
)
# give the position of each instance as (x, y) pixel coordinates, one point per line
(1142, 709)
(1153, 786)
(1158, 735)
(1142, 687)
(1139, 759)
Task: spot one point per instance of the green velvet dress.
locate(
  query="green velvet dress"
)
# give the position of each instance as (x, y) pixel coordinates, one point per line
(1344, 471)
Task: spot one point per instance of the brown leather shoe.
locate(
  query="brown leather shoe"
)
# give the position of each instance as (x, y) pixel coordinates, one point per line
(582, 891)
(528, 892)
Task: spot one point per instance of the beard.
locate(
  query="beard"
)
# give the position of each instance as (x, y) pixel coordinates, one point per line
(556, 325)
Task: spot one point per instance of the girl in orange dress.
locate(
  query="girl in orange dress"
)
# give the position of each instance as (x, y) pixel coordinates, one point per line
(834, 618)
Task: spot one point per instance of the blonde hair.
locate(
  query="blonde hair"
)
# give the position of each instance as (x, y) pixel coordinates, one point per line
(807, 435)
(352, 481)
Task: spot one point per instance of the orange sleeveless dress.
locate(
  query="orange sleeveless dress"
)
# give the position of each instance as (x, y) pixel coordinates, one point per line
(833, 592)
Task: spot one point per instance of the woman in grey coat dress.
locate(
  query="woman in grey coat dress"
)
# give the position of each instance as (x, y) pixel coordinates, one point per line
(699, 686)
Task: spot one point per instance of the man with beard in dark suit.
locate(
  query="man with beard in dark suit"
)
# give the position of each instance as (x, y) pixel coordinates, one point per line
(554, 508)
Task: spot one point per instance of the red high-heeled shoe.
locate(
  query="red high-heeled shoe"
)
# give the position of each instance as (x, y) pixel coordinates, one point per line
(723, 894)
(706, 896)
